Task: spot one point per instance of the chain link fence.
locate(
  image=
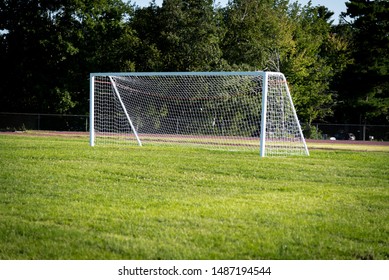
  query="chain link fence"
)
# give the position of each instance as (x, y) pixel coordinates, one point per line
(61, 122)
(362, 132)
(55, 122)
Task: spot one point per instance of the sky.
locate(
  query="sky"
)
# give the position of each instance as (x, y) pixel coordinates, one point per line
(336, 6)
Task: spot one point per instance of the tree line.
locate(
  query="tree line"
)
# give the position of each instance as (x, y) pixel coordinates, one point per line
(337, 72)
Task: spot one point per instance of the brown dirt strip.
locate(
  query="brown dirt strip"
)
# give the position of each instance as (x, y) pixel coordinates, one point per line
(45, 133)
(348, 142)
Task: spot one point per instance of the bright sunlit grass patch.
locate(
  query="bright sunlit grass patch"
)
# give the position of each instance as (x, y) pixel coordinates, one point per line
(61, 199)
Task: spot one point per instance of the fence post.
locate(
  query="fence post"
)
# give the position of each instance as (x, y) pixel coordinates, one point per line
(364, 131)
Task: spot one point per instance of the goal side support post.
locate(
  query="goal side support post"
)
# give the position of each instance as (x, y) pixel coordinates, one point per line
(125, 110)
(262, 137)
(296, 118)
(267, 130)
(92, 110)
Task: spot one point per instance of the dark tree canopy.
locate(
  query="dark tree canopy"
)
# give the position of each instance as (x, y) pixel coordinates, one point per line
(336, 72)
(49, 48)
(364, 85)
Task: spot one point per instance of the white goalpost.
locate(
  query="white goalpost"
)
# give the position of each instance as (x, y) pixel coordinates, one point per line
(225, 110)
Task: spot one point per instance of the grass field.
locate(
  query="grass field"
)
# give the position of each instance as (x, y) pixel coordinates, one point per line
(61, 199)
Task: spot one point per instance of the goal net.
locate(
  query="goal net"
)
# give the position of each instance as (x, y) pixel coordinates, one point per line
(227, 110)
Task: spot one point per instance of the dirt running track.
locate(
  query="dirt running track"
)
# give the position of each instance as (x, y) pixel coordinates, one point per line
(86, 134)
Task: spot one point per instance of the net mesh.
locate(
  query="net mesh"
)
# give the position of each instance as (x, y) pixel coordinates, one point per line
(219, 111)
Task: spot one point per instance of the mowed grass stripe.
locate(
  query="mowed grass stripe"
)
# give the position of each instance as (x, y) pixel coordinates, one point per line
(61, 199)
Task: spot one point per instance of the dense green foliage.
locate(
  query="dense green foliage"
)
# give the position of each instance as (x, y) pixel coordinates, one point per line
(60, 199)
(337, 72)
(366, 81)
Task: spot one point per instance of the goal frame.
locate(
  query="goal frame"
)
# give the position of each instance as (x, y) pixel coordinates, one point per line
(263, 114)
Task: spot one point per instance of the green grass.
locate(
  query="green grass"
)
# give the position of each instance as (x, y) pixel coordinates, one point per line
(61, 199)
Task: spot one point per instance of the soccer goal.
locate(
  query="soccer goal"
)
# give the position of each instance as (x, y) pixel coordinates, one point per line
(224, 110)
